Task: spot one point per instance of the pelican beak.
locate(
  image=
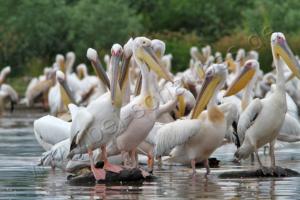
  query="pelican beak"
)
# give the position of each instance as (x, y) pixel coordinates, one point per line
(62, 66)
(138, 85)
(92, 55)
(115, 90)
(101, 73)
(181, 106)
(231, 65)
(124, 71)
(240, 81)
(149, 57)
(80, 74)
(206, 93)
(67, 94)
(282, 49)
(200, 72)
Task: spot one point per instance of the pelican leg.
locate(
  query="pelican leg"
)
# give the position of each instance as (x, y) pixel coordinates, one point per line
(193, 163)
(133, 158)
(107, 165)
(252, 157)
(272, 155)
(159, 161)
(206, 165)
(258, 159)
(150, 161)
(278, 171)
(125, 158)
(99, 174)
(264, 169)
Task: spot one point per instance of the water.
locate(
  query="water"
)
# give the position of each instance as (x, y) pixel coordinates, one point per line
(21, 178)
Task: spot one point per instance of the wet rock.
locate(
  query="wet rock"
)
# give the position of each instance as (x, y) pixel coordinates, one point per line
(265, 172)
(126, 175)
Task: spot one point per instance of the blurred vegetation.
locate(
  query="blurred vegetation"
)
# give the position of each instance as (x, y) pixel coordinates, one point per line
(32, 32)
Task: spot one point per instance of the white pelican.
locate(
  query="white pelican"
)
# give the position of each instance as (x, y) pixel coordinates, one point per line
(7, 93)
(50, 130)
(197, 138)
(141, 113)
(262, 119)
(38, 88)
(94, 126)
(290, 130)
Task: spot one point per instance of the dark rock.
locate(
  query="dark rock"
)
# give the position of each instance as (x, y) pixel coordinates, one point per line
(266, 172)
(126, 175)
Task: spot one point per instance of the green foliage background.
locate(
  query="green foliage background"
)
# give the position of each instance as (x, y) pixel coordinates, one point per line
(32, 32)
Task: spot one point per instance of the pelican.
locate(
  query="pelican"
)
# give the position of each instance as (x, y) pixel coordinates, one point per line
(197, 138)
(90, 86)
(94, 126)
(39, 87)
(290, 130)
(141, 113)
(262, 119)
(50, 130)
(7, 93)
(86, 132)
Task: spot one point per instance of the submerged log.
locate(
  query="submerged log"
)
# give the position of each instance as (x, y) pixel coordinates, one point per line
(267, 172)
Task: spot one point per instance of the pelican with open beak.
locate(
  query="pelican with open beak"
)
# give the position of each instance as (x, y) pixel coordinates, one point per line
(197, 138)
(262, 119)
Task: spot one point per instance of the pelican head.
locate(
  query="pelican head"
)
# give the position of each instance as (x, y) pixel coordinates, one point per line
(244, 77)
(159, 47)
(218, 57)
(230, 62)
(4, 72)
(194, 52)
(128, 48)
(240, 56)
(127, 54)
(143, 52)
(70, 55)
(253, 55)
(115, 92)
(215, 77)
(92, 55)
(60, 76)
(81, 71)
(60, 60)
(281, 49)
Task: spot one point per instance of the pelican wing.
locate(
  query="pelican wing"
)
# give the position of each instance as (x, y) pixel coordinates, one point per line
(248, 117)
(151, 138)
(80, 125)
(175, 133)
(50, 130)
(57, 155)
(290, 130)
(11, 93)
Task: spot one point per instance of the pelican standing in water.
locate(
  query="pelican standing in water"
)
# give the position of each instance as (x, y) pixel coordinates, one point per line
(94, 126)
(197, 138)
(7, 93)
(141, 113)
(262, 119)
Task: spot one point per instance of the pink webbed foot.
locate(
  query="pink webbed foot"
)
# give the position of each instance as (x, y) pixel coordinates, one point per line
(144, 173)
(99, 174)
(112, 168)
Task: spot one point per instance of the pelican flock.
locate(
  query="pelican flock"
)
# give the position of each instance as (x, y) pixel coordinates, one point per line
(135, 105)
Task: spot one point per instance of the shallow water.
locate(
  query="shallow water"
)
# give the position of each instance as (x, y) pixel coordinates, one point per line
(21, 178)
